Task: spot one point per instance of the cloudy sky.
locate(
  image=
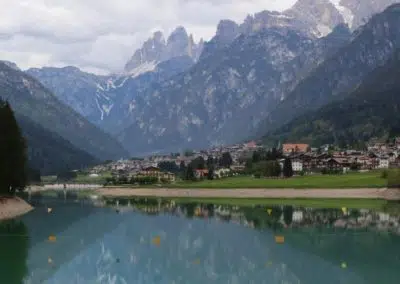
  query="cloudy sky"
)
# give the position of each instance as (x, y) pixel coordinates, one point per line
(100, 35)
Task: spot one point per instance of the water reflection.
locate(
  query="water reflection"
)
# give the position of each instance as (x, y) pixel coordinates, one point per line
(143, 240)
(271, 217)
(14, 246)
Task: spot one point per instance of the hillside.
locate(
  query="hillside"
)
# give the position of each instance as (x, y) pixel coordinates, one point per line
(49, 152)
(371, 111)
(30, 98)
(341, 73)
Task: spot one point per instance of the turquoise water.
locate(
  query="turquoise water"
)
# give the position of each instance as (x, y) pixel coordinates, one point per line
(146, 241)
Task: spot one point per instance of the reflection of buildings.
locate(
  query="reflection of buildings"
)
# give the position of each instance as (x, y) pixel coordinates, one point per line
(279, 217)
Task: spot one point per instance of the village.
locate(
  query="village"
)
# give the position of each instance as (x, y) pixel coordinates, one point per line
(304, 159)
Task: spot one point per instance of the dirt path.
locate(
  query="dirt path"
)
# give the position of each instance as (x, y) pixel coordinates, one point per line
(13, 207)
(362, 193)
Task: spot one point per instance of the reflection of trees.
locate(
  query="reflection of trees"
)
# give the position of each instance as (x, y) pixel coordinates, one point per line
(288, 215)
(190, 207)
(14, 245)
(262, 219)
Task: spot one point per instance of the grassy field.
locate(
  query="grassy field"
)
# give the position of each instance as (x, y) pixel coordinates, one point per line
(351, 180)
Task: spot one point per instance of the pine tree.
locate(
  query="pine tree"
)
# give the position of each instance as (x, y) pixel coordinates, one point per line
(189, 172)
(13, 164)
(226, 160)
(287, 168)
(210, 162)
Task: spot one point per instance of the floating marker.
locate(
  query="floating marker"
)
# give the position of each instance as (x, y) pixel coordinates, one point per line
(196, 261)
(269, 211)
(343, 265)
(344, 209)
(49, 210)
(279, 239)
(156, 241)
(52, 238)
(49, 260)
(269, 263)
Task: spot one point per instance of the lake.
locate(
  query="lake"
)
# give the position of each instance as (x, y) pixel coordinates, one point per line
(163, 241)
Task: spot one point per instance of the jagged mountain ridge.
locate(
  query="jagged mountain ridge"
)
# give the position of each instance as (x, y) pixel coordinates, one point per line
(30, 98)
(130, 101)
(156, 50)
(223, 93)
(342, 73)
(370, 111)
(105, 100)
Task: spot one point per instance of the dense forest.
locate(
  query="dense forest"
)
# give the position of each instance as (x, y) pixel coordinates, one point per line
(371, 111)
(48, 152)
(13, 161)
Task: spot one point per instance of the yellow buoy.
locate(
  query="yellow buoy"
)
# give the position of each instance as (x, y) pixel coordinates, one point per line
(49, 210)
(269, 211)
(279, 239)
(343, 265)
(344, 209)
(156, 241)
(52, 238)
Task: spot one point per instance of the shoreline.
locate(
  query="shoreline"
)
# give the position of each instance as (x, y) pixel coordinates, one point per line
(359, 193)
(13, 207)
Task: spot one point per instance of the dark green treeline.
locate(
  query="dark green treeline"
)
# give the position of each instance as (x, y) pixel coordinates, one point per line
(13, 161)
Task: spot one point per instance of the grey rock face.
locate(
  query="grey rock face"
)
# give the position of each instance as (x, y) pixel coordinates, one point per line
(226, 91)
(339, 75)
(156, 50)
(363, 10)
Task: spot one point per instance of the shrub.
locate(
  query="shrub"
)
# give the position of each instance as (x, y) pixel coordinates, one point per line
(385, 174)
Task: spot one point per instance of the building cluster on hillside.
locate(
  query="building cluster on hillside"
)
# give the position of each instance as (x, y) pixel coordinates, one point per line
(376, 156)
(148, 166)
(303, 158)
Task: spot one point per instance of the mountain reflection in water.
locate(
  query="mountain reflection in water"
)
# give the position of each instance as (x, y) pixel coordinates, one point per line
(162, 241)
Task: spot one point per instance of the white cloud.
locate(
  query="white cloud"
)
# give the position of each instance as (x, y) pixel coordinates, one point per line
(101, 35)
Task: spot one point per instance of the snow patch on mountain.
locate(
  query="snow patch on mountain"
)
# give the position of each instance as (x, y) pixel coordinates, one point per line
(143, 68)
(346, 13)
(323, 30)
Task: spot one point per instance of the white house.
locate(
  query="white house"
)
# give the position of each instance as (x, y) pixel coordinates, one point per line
(297, 165)
(383, 163)
(221, 173)
(297, 216)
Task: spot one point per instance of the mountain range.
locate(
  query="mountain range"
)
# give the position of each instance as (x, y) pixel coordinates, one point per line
(249, 79)
(51, 126)
(371, 111)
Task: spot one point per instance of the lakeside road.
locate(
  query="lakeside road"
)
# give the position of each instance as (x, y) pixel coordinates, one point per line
(359, 193)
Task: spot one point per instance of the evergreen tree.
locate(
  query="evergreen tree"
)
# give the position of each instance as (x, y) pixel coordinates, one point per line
(198, 163)
(182, 167)
(189, 175)
(210, 174)
(13, 164)
(287, 168)
(226, 160)
(210, 162)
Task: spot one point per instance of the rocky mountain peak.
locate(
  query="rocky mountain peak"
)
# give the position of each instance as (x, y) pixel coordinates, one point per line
(363, 10)
(321, 15)
(156, 50)
(11, 65)
(227, 29)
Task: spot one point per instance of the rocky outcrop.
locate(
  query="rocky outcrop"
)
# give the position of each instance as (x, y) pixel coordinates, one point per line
(13, 207)
(157, 49)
